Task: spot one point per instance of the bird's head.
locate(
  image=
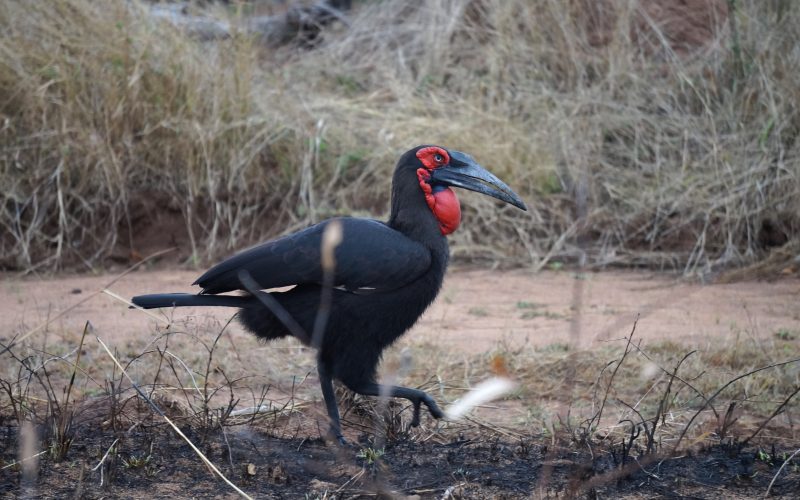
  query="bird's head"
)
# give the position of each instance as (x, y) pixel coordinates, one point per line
(437, 170)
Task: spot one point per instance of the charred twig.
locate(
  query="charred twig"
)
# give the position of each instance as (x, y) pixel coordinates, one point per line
(648, 431)
(773, 415)
(171, 424)
(719, 391)
(595, 419)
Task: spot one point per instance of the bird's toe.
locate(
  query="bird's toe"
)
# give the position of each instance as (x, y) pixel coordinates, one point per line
(436, 412)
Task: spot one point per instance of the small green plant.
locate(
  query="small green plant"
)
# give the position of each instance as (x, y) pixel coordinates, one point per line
(763, 456)
(478, 311)
(370, 455)
(551, 184)
(533, 310)
(555, 347)
(136, 461)
(541, 314)
(62, 435)
(785, 334)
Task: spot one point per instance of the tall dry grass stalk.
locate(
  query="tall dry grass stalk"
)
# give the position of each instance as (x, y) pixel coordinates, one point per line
(681, 158)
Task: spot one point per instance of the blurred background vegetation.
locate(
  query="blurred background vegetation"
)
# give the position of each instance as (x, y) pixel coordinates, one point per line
(640, 133)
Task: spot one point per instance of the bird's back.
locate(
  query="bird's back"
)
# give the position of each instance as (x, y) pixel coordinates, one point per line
(370, 254)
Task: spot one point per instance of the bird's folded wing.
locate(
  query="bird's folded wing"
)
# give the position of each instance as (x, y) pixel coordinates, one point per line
(371, 255)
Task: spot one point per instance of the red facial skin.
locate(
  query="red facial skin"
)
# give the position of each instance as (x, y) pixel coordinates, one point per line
(444, 204)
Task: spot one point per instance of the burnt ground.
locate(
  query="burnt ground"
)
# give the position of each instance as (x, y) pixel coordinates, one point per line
(154, 462)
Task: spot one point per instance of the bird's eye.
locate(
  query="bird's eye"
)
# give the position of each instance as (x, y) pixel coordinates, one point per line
(438, 158)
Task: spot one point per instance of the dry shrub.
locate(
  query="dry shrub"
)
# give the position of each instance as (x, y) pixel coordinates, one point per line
(107, 112)
(626, 141)
(667, 384)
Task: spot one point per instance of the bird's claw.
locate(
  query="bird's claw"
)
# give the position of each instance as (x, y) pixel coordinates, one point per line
(335, 435)
(436, 412)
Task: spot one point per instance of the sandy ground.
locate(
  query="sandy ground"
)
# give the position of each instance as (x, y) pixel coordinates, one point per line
(475, 312)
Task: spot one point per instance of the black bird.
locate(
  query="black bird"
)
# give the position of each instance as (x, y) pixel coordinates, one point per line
(384, 277)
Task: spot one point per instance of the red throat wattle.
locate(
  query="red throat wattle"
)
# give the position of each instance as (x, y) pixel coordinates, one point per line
(444, 203)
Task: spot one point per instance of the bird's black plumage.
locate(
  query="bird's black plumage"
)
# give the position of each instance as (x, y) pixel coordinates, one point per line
(371, 254)
(386, 275)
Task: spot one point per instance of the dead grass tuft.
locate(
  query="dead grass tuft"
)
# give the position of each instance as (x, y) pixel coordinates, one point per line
(670, 395)
(673, 157)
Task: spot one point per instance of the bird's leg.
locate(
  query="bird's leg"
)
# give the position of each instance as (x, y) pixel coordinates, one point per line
(326, 382)
(414, 395)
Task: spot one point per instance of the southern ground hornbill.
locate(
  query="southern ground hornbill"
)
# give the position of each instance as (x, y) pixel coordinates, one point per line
(384, 276)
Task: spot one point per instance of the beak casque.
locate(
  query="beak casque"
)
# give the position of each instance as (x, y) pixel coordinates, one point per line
(464, 172)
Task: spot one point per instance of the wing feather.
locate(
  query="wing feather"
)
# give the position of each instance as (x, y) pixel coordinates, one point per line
(371, 255)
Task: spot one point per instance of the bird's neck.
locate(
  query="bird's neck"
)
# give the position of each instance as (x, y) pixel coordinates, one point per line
(419, 224)
(413, 216)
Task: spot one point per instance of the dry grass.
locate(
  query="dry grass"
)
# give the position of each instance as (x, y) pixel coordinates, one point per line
(619, 402)
(638, 154)
(684, 397)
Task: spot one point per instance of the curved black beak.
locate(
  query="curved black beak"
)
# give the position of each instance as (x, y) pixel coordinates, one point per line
(464, 172)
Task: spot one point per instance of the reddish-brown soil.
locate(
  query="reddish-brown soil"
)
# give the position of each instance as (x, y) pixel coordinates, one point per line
(475, 310)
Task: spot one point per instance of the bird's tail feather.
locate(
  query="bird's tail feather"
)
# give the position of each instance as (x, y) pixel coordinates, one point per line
(156, 300)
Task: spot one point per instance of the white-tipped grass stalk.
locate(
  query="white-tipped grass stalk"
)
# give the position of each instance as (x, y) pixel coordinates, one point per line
(783, 466)
(188, 372)
(133, 306)
(103, 460)
(254, 410)
(23, 460)
(171, 424)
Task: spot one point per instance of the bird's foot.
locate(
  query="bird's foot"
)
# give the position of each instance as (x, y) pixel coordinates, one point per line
(335, 436)
(436, 412)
